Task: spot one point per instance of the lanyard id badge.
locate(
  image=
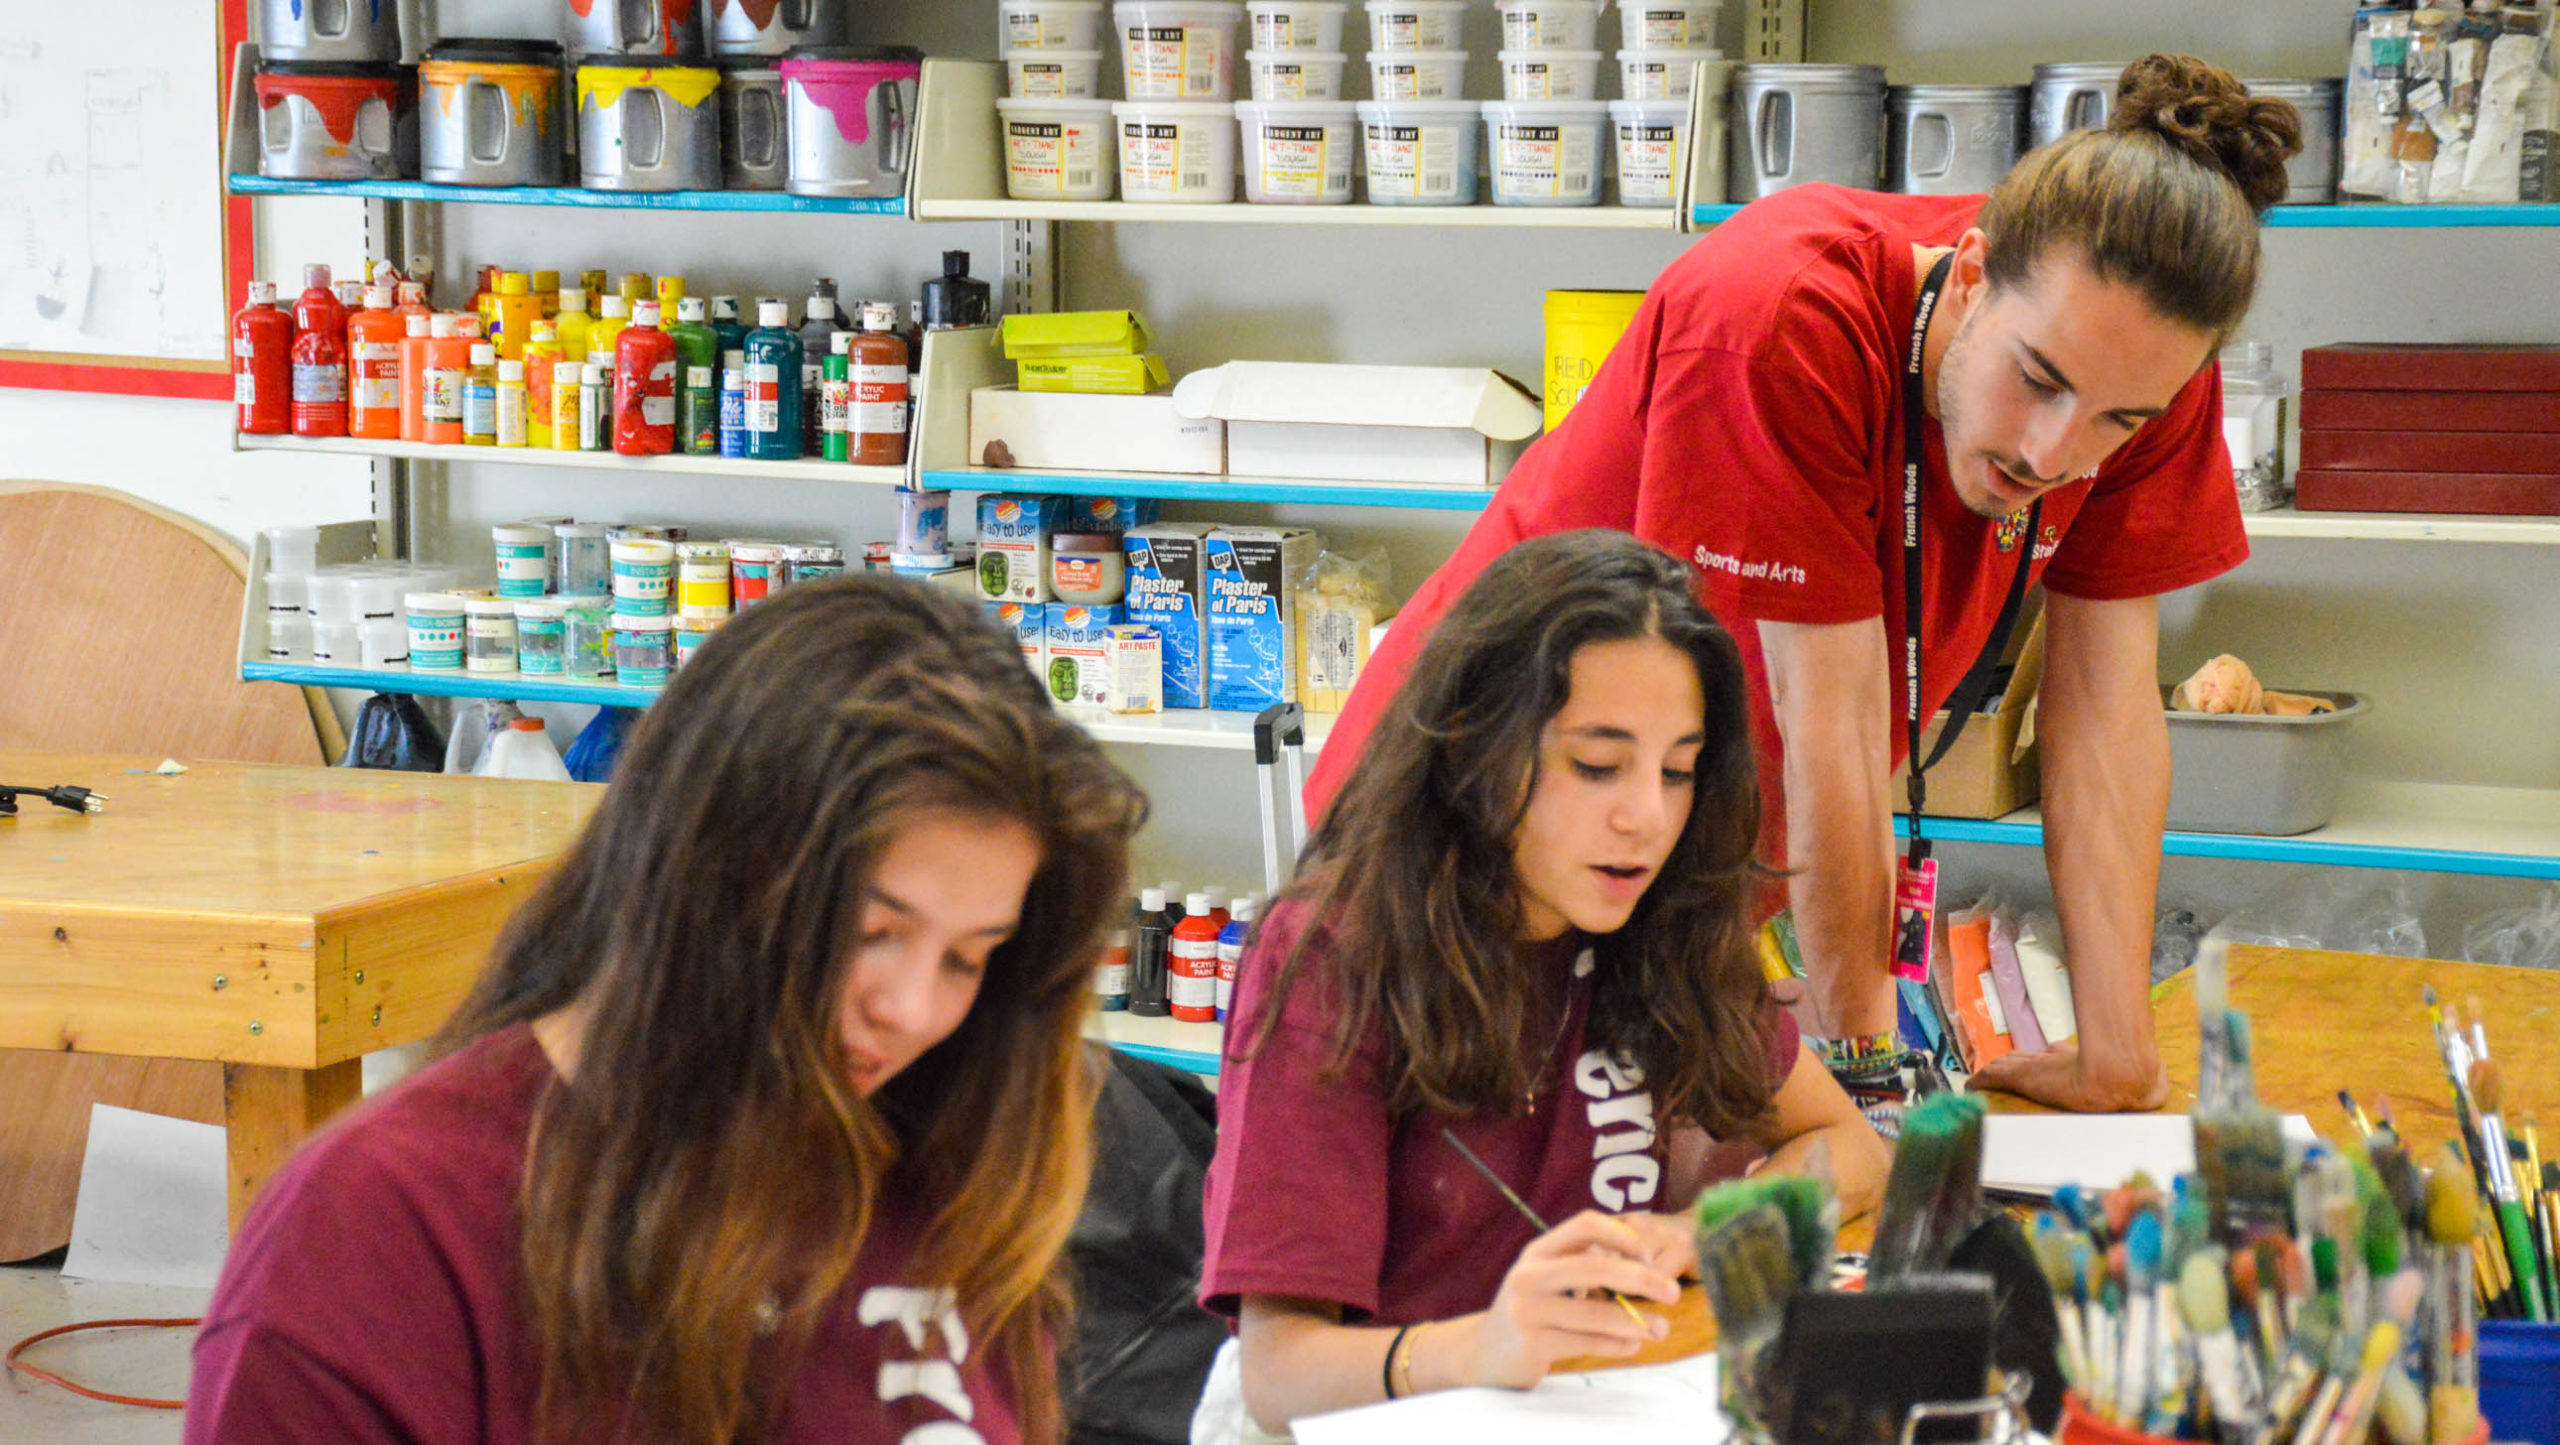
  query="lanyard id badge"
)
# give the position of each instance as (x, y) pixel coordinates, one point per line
(1915, 890)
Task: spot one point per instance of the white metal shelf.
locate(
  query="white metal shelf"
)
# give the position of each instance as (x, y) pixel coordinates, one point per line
(1516, 218)
(2403, 527)
(676, 464)
(1193, 1048)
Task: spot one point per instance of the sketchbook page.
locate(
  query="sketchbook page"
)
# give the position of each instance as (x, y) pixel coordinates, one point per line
(1670, 1404)
(2035, 1154)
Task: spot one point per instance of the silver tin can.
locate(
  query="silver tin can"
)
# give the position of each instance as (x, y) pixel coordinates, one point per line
(644, 126)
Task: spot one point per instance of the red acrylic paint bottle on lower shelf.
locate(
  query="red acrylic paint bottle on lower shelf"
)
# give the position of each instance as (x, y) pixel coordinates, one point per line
(644, 386)
(1192, 976)
(319, 358)
(262, 364)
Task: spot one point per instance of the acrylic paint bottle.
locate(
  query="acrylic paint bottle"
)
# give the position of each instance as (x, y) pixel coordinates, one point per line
(773, 385)
(572, 321)
(480, 397)
(567, 404)
(697, 346)
(319, 358)
(542, 358)
(595, 409)
(515, 308)
(374, 336)
(1111, 976)
(448, 367)
(1231, 952)
(1151, 960)
(511, 404)
(1192, 974)
(835, 400)
(644, 387)
(262, 364)
(725, 323)
(878, 419)
(817, 343)
(733, 402)
(413, 376)
(614, 313)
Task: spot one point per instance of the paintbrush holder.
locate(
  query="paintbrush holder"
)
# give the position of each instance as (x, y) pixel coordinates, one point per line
(2082, 1426)
(2520, 1379)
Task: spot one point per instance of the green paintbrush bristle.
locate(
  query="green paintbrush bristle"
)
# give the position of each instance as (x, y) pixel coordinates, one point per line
(1934, 1195)
(1806, 1203)
(2381, 1237)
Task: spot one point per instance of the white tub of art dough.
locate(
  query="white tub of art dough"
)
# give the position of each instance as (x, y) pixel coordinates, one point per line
(1417, 74)
(1054, 74)
(1298, 153)
(1057, 150)
(1179, 49)
(1550, 74)
(1668, 24)
(1415, 24)
(1048, 25)
(1653, 143)
(1176, 150)
(1421, 152)
(1297, 24)
(1545, 152)
(1551, 24)
(1660, 74)
(1294, 74)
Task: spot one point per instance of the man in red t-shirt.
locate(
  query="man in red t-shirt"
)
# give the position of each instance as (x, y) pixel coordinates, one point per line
(1752, 422)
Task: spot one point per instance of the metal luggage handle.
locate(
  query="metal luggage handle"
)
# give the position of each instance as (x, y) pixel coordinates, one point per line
(1282, 726)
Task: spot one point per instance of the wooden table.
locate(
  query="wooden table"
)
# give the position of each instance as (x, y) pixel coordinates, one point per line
(281, 921)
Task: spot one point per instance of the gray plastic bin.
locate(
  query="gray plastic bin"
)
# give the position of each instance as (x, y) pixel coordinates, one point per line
(2273, 776)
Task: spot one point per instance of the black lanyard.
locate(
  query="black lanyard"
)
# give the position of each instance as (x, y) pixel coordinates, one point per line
(1968, 695)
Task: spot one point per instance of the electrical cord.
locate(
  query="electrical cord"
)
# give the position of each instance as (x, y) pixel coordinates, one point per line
(61, 795)
(50, 1378)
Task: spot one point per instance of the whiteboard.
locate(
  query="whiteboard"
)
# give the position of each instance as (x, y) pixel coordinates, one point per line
(110, 191)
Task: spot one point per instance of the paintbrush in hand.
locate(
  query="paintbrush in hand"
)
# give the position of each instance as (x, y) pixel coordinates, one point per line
(1533, 1217)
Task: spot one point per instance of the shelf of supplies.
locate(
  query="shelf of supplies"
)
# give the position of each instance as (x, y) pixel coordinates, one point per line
(1267, 491)
(2302, 218)
(2403, 527)
(1176, 728)
(676, 465)
(2421, 827)
(1192, 1048)
(1521, 218)
(729, 201)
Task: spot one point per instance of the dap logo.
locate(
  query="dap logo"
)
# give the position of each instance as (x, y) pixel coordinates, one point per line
(2013, 530)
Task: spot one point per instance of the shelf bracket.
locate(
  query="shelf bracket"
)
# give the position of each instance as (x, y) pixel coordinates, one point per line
(1773, 31)
(1031, 275)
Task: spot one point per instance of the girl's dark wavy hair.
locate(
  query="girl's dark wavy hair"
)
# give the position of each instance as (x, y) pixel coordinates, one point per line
(1409, 893)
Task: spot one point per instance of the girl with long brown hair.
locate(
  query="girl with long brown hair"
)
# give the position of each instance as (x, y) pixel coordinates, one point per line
(768, 1122)
(1526, 920)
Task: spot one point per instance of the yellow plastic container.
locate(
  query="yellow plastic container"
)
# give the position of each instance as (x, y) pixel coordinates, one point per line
(1582, 326)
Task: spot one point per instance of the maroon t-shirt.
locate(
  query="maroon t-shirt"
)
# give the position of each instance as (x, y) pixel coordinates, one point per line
(373, 1295)
(1318, 1192)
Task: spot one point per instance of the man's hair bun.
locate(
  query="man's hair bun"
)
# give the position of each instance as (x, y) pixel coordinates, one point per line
(2208, 115)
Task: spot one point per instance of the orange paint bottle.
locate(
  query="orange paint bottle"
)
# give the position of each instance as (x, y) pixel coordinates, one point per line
(373, 365)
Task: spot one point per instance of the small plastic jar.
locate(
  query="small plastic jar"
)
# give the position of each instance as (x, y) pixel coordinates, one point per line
(489, 641)
(1668, 24)
(1418, 74)
(1659, 74)
(583, 562)
(755, 568)
(643, 648)
(812, 562)
(1048, 25)
(2253, 405)
(524, 558)
(1550, 74)
(1294, 74)
(702, 580)
(542, 636)
(586, 639)
(1178, 49)
(644, 570)
(1550, 24)
(1054, 74)
(1086, 568)
(1415, 24)
(691, 633)
(1058, 150)
(435, 631)
(1296, 24)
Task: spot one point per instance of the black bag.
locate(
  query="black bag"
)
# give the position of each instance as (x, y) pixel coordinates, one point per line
(1142, 1343)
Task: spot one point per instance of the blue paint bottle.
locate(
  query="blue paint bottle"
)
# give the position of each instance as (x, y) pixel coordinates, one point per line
(773, 385)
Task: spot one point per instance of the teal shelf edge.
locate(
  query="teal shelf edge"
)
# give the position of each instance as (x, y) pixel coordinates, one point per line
(2361, 217)
(2304, 848)
(1210, 489)
(573, 196)
(1187, 1060)
(518, 688)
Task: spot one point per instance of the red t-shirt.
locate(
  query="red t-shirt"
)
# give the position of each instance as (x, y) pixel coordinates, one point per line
(1318, 1192)
(1750, 423)
(373, 1294)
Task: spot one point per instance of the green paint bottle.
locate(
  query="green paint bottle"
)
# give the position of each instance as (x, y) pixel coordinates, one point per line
(835, 399)
(697, 347)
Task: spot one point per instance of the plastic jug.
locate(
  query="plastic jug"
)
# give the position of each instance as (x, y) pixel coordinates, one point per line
(473, 729)
(522, 750)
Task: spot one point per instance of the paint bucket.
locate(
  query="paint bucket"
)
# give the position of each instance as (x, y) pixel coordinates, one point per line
(737, 28)
(702, 579)
(643, 648)
(755, 127)
(491, 114)
(644, 125)
(1054, 74)
(1582, 327)
(663, 29)
(331, 122)
(1048, 25)
(644, 570)
(350, 32)
(852, 124)
(1550, 74)
(1668, 24)
(1418, 74)
(755, 570)
(1550, 24)
(1294, 74)
(524, 558)
(1659, 74)
(1415, 24)
(435, 631)
(1305, 25)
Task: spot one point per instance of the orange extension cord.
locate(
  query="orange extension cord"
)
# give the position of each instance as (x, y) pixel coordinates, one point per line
(50, 1378)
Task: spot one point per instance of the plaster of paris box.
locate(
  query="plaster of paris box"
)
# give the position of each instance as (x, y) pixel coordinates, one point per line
(1079, 668)
(1013, 545)
(1135, 670)
(1168, 590)
(1253, 646)
(1029, 624)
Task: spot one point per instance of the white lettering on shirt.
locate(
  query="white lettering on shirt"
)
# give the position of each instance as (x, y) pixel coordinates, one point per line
(936, 1380)
(912, 1310)
(1767, 570)
(1623, 1176)
(916, 1313)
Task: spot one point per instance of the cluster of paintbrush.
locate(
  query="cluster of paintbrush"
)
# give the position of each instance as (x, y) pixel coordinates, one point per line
(2516, 1255)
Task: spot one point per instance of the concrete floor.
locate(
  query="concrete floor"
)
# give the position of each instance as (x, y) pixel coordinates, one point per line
(148, 1363)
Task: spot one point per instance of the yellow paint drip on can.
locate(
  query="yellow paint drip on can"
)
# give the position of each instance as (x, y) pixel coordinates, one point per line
(686, 85)
(1581, 328)
(528, 88)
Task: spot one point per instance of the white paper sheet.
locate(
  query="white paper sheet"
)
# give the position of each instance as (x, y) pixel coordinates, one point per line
(2035, 1154)
(1673, 1404)
(154, 1203)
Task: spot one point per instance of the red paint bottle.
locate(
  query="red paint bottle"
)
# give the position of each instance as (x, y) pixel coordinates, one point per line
(262, 363)
(644, 386)
(319, 358)
(1192, 974)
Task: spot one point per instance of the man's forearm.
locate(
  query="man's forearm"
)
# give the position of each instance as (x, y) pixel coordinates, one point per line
(1841, 842)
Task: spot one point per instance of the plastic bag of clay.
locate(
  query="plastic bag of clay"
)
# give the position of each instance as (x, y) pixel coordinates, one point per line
(2515, 96)
(2348, 910)
(2527, 937)
(1340, 600)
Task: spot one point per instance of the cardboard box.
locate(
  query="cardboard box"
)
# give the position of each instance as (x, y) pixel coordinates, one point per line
(2489, 494)
(2430, 366)
(1168, 572)
(1029, 624)
(1107, 516)
(1079, 668)
(2516, 453)
(1073, 432)
(2431, 411)
(1253, 645)
(1421, 424)
(1053, 334)
(1014, 533)
(1992, 770)
(1094, 375)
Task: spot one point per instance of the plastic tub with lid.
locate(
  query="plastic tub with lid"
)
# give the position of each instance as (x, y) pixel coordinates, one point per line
(1298, 152)
(1179, 49)
(1294, 74)
(1550, 74)
(1048, 25)
(1054, 74)
(1668, 24)
(1417, 74)
(1297, 24)
(852, 112)
(330, 122)
(1058, 150)
(1421, 152)
(1182, 151)
(1551, 24)
(1652, 142)
(1415, 24)
(1660, 74)
(1546, 152)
